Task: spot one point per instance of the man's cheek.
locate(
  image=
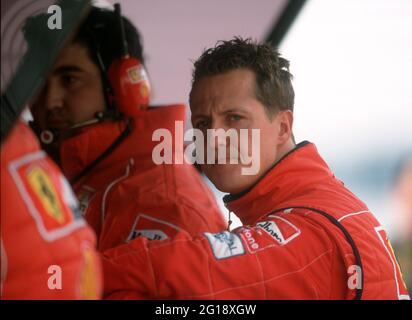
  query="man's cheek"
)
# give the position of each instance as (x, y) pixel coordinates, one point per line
(249, 149)
(39, 117)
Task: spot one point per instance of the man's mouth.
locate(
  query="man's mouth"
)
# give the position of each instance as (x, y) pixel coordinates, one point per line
(226, 160)
(232, 156)
(58, 124)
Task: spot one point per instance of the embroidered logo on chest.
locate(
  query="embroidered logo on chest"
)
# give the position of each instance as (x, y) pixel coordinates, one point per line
(85, 195)
(152, 228)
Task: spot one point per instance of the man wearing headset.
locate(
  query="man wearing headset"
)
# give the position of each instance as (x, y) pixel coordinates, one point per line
(305, 236)
(102, 139)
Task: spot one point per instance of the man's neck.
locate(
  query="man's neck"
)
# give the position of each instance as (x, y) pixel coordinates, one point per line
(284, 149)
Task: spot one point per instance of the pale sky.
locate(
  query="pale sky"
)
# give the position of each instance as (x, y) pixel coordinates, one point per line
(352, 62)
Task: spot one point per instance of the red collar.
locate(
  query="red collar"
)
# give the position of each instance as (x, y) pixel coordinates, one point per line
(293, 177)
(79, 151)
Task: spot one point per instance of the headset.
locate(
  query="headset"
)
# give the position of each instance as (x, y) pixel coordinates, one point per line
(128, 79)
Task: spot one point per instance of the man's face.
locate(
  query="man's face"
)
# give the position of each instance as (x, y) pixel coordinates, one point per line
(73, 91)
(228, 101)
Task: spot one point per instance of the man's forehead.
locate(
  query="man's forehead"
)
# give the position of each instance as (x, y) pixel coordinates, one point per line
(73, 54)
(222, 92)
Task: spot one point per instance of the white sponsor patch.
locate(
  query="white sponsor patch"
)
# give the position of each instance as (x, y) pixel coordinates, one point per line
(152, 228)
(282, 231)
(225, 244)
(85, 196)
(149, 234)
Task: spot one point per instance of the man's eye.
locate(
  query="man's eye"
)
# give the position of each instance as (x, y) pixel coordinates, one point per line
(201, 124)
(68, 80)
(235, 117)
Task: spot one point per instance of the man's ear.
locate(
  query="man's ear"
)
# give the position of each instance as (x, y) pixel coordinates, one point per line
(285, 120)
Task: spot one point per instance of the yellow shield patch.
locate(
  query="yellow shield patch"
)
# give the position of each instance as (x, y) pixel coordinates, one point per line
(43, 188)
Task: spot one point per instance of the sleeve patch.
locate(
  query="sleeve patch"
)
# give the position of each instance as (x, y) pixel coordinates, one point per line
(282, 230)
(225, 244)
(47, 195)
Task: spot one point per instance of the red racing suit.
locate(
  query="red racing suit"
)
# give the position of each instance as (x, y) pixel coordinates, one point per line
(305, 236)
(128, 195)
(47, 250)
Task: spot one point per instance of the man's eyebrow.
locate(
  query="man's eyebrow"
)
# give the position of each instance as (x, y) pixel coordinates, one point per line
(234, 110)
(67, 68)
(199, 115)
(231, 110)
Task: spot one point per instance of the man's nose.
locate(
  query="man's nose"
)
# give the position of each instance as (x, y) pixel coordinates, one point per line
(217, 124)
(53, 96)
(220, 128)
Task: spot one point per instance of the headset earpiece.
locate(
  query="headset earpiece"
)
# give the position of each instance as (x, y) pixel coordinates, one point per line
(128, 78)
(130, 86)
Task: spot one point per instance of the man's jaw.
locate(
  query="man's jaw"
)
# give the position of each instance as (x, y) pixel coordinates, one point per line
(58, 125)
(57, 121)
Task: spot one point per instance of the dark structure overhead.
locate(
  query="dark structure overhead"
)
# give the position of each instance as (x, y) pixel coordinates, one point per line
(285, 21)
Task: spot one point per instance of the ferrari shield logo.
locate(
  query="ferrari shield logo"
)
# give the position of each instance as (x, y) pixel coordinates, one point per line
(46, 194)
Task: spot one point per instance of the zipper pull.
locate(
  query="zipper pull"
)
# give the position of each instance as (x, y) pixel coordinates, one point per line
(229, 221)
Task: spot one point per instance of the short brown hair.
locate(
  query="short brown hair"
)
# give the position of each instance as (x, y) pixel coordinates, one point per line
(273, 80)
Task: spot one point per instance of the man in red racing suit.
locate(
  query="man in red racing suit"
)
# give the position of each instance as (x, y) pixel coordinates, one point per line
(305, 236)
(286, 250)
